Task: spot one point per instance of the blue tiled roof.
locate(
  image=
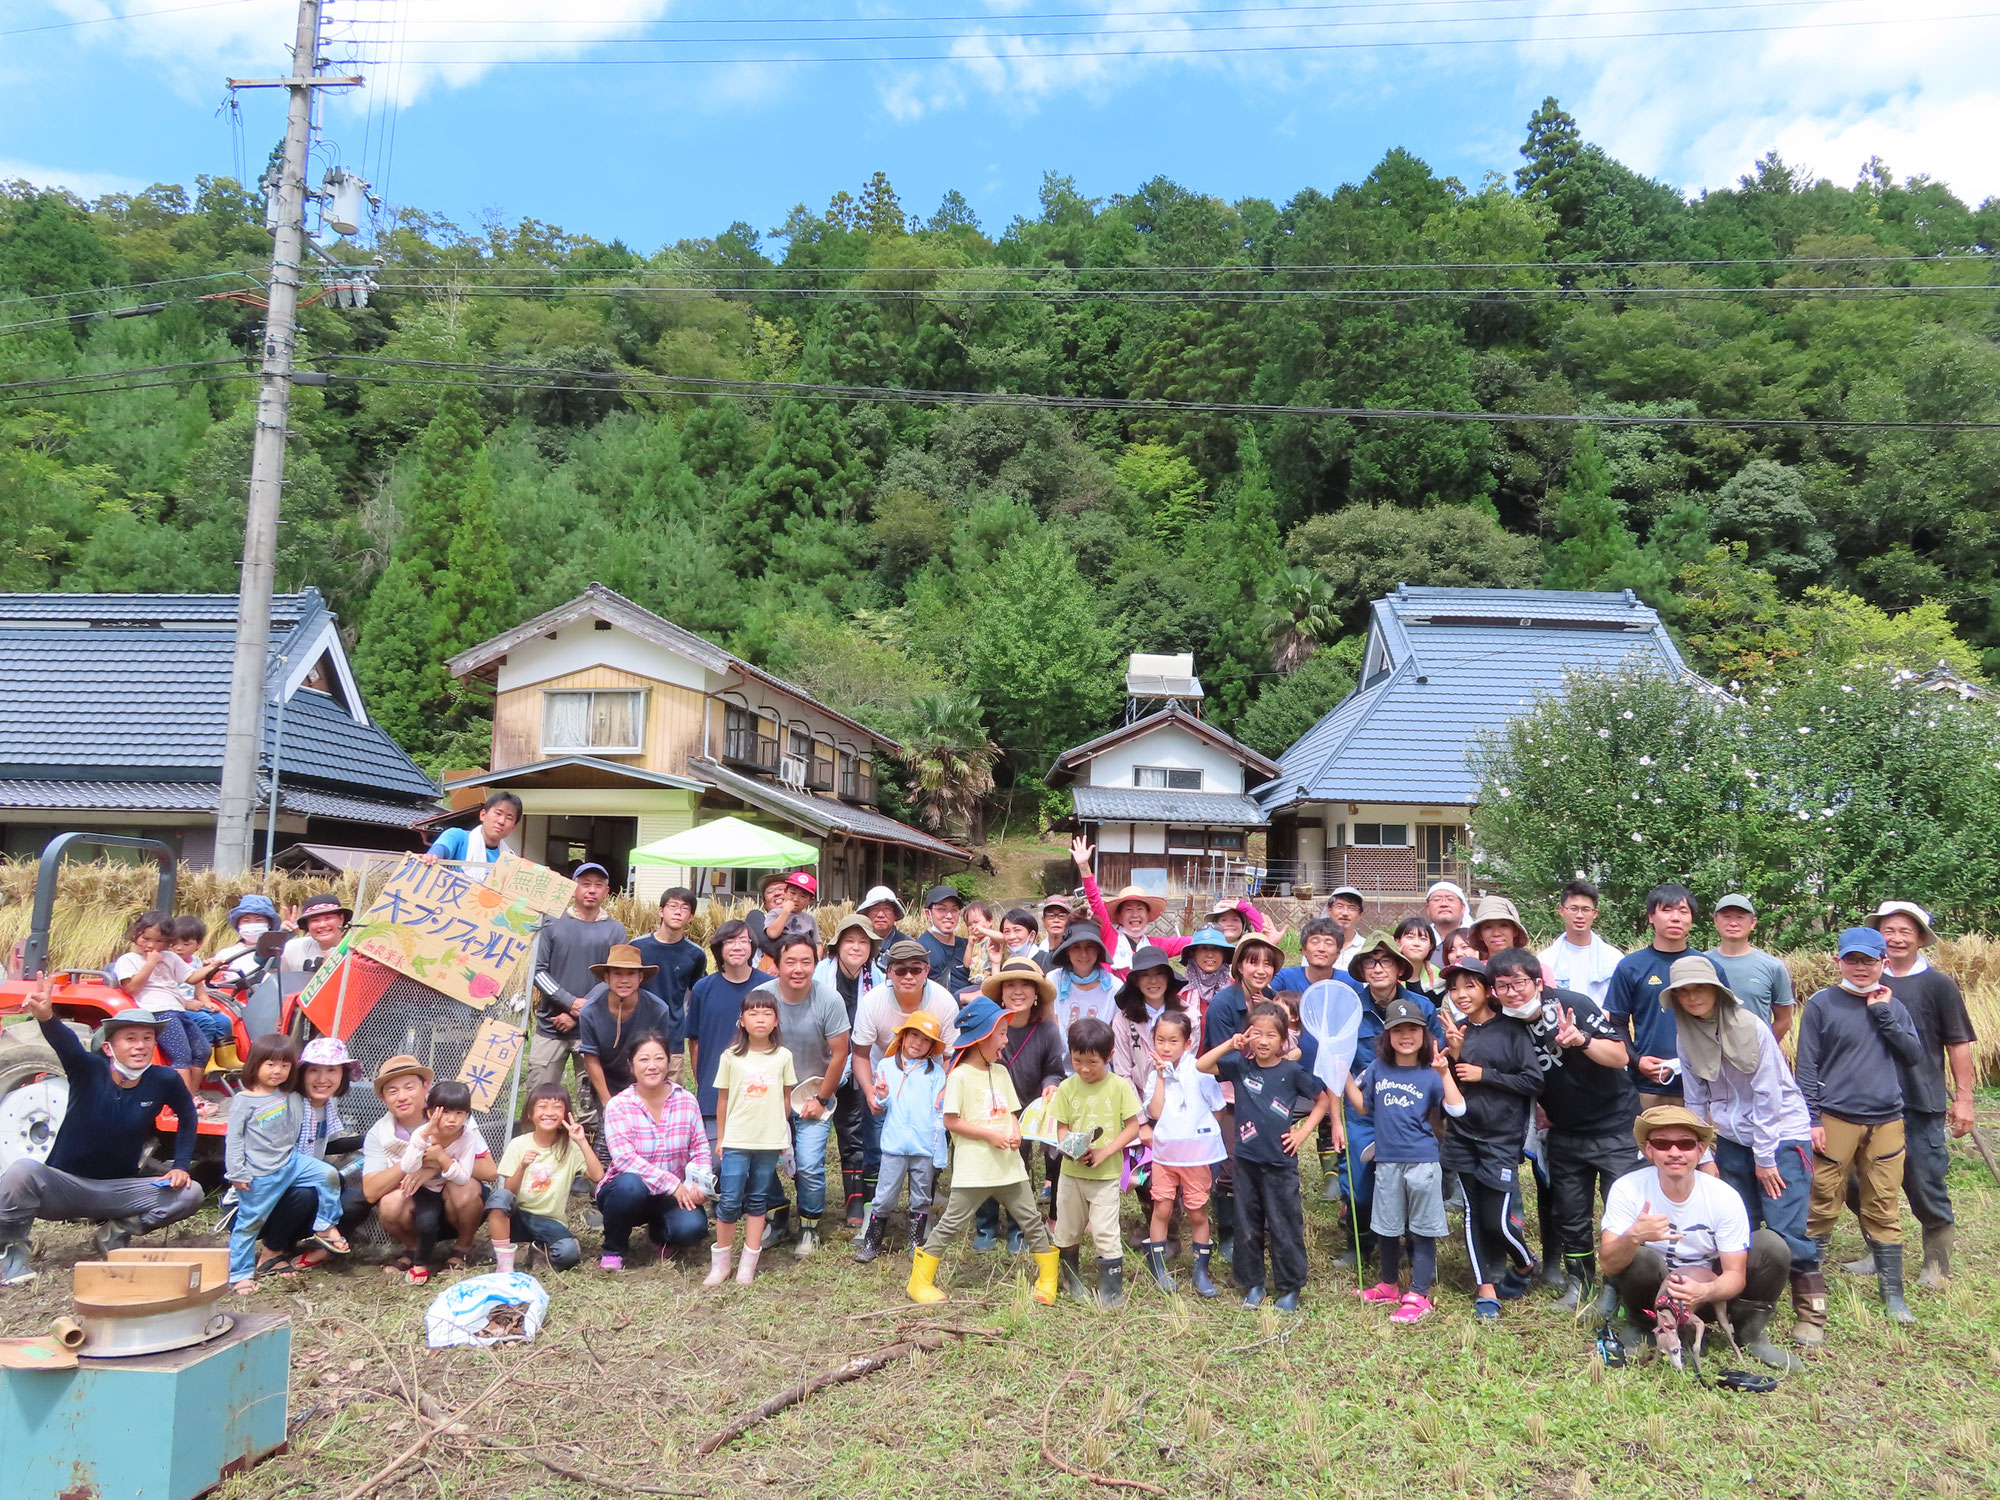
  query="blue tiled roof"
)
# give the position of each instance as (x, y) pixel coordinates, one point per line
(133, 699)
(1458, 661)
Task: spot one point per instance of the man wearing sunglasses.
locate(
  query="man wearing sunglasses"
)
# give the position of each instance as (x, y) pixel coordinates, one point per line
(883, 1009)
(1677, 1242)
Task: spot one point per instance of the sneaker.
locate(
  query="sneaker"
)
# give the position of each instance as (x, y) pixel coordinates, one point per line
(610, 1262)
(15, 1266)
(115, 1234)
(1382, 1291)
(592, 1219)
(1415, 1305)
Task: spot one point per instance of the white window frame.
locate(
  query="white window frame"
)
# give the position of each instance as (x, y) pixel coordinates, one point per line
(638, 720)
(1168, 773)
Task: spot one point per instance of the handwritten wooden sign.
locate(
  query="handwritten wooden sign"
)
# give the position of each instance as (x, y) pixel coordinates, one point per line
(495, 1048)
(537, 886)
(461, 937)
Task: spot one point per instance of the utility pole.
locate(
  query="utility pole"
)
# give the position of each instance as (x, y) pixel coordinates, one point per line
(245, 730)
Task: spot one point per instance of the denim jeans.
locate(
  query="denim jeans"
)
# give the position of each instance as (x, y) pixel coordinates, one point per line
(1784, 1216)
(291, 1219)
(627, 1203)
(809, 1164)
(749, 1184)
(553, 1235)
(255, 1202)
(212, 1024)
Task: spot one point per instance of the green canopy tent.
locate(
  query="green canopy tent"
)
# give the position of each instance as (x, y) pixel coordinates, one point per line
(727, 844)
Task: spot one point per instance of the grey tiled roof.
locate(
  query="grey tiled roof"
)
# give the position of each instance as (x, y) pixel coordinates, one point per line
(148, 701)
(823, 814)
(198, 797)
(140, 609)
(1459, 661)
(1126, 804)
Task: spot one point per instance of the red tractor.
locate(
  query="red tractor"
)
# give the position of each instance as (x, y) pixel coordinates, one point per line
(34, 1095)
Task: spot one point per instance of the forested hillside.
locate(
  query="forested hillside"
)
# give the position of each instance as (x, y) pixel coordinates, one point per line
(521, 409)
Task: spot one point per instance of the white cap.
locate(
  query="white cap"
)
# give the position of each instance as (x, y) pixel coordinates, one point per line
(877, 895)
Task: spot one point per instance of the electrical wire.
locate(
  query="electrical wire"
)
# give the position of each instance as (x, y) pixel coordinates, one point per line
(1158, 52)
(100, 375)
(689, 385)
(130, 15)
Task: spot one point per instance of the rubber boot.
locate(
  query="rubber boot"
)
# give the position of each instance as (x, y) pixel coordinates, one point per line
(870, 1244)
(923, 1285)
(1937, 1258)
(857, 1206)
(1222, 1217)
(718, 1265)
(1753, 1335)
(920, 1229)
(1204, 1284)
(808, 1238)
(1045, 1277)
(1862, 1267)
(986, 1231)
(1808, 1309)
(1554, 1269)
(1016, 1241)
(1110, 1284)
(16, 1268)
(1579, 1281)
(746, 1268)
(1329, 1166)
(1070, 1275)
(1889, 1282)
(1156, 1263)
(777, 1227)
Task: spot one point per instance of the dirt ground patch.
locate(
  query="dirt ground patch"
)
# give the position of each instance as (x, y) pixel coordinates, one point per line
(1197, 1398)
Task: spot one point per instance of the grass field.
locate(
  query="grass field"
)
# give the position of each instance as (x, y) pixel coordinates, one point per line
(631, 1372)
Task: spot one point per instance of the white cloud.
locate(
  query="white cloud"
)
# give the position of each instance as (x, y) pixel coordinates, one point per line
(85, 184)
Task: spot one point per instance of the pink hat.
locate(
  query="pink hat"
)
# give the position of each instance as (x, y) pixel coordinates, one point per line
(329, 1052)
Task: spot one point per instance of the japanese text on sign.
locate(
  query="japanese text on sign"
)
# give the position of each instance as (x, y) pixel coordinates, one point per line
(458, 936)
(490, 1060)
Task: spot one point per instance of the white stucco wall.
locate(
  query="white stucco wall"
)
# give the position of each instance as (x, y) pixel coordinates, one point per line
(1171, 746)
(578, 647)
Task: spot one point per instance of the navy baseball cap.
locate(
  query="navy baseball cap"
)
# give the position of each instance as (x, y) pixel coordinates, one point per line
(1863, 942)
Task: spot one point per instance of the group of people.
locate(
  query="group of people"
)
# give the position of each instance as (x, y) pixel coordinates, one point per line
(1684, 1169)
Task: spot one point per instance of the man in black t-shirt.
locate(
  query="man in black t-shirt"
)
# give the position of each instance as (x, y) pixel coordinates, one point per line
(1586, 1110)
(679, 960)
(1931, 1112)
(616, 1013)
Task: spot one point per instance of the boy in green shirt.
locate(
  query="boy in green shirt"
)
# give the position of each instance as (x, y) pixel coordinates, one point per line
(1105, 1108)
(979, 1110)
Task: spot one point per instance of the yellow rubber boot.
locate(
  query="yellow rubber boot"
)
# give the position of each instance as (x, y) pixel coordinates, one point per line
(1045, 1277)
(923, 1278)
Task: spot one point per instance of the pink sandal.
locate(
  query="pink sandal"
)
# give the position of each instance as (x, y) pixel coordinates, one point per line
(1382, 1291)
(1415, 1305)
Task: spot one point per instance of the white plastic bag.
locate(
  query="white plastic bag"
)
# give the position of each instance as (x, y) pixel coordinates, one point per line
(464, 1312)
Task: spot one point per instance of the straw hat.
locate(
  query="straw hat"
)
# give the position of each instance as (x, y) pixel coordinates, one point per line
(1156, 906)
(1251, 940)
(400, 1066)
(1024, 969)
(1660, 1116)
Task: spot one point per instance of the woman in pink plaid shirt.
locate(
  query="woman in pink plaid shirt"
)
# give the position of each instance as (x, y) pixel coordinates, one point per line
(654, 1135)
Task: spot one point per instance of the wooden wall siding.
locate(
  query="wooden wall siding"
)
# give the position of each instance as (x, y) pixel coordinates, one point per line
(673, 720)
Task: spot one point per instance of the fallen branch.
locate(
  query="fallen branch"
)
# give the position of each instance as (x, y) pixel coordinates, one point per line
(1979, 1140)
(383, 1474)
(1070, 1469)
(854, 1369)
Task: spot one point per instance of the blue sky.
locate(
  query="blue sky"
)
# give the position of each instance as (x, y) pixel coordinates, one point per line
(651, 154)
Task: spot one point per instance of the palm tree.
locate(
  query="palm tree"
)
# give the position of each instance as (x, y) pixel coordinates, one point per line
(1306, 615)
(950, 760)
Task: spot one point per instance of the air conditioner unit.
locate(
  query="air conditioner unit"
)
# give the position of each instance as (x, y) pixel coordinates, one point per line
(792, 772)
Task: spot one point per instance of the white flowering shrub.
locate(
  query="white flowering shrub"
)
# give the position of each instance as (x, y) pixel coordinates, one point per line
(1818, 799)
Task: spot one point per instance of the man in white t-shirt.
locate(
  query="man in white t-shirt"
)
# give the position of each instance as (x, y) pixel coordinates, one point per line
(416, 1220)
(1673, 1234)
(1580, 960)
(321, 922)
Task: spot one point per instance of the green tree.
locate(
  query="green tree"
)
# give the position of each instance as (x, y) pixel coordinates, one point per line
(948, 761)
(1167, 486)
(1306, 613)
(1595, 548)
(1041, 662)
(1364, 551)
(1289, 706)
(1244, 542)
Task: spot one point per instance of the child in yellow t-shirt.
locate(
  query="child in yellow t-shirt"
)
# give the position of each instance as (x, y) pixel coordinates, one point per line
(1105, 1107)
(532, 1196)
(979, 1110)
(753, 1090)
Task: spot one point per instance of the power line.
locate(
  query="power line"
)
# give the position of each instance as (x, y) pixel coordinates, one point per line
(130, 15)
(692, 385)
(59, 380)
(115, 390)
(1098, 31)
(1157, 52)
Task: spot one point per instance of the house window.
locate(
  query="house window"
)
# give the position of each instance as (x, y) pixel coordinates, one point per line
(609, 722)
(1167, 778)
(1382, 835)
(743, 741)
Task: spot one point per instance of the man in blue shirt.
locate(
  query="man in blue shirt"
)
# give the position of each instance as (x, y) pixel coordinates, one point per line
(678, 958)
(1633, 1001)
(941, 941)
(484, 843)
(93, 1170)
